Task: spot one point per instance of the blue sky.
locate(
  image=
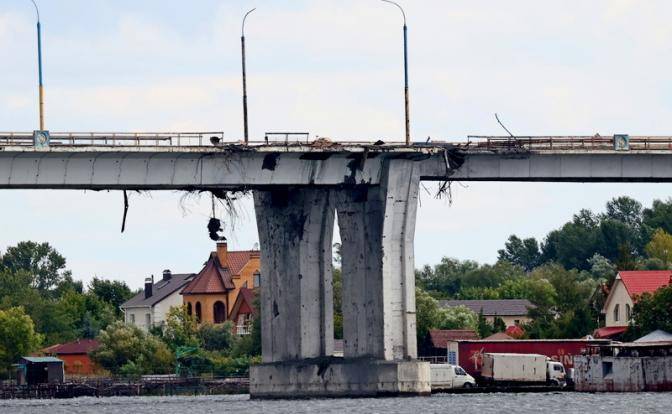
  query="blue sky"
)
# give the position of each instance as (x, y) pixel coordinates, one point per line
(334, 68)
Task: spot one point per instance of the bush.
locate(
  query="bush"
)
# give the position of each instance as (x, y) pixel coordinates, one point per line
(216, 337)
(125, 349)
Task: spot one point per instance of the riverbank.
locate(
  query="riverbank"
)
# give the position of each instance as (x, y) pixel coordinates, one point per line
(112, 388)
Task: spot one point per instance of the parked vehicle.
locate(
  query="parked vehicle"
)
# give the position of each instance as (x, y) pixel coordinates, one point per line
(522, 369)
(446, 376)
(469, 353)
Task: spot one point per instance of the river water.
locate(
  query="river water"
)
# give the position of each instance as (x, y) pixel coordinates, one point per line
(461, 404)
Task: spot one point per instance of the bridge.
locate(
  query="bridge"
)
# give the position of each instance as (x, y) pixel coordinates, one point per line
(298, 187)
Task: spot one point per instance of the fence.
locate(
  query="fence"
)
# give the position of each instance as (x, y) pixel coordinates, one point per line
(568, 143)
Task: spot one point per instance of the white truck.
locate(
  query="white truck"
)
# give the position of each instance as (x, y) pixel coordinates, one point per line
(446, 376)
(522, 369)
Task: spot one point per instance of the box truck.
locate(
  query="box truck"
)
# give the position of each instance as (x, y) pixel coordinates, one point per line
(522, 369)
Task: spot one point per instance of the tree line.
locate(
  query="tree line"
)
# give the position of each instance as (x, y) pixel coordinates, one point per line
(564, 275)
(42, 305)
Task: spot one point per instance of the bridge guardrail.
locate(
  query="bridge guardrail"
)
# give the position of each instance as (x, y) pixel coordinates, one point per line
(138, 139)
(568, 143)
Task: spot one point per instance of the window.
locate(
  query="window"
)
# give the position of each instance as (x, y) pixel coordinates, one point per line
(148, 320)
(133, 318)
(516, 322)
(219, 312)
(189, 310)
(628, 312)
(459, 371)
(245, 284)
(198, 312)
(617, 312)
(607, 367)
(257, 279)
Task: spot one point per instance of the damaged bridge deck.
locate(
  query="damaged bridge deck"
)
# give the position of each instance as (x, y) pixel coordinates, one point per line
(157, 162)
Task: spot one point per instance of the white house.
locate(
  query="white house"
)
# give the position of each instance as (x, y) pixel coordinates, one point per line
(150, 307)
(627, 287)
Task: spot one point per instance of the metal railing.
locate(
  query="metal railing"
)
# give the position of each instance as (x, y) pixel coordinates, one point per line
(568, 143)
(137, 139)
(287, 137)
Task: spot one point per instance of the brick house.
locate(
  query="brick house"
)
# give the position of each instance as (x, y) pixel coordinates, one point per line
(210, 296)
(75, 356)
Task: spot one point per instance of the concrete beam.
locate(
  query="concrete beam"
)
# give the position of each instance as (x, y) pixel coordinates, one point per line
(141, 169)
(377, 227)
(295, 232)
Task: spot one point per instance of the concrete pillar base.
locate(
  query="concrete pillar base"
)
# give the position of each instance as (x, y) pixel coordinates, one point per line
(338, 377)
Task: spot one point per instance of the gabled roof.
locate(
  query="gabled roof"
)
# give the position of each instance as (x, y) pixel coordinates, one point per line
(161, 290)
(238, 259)
(82, 346)
(609, 332)
(644, 281)
(499, 336)
(213, 278)
(42, 359)
(244, 303)
(656, 336)
(439, 338)
(499, 307)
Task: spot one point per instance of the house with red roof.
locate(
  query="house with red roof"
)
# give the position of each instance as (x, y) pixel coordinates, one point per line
(75, 356)
(627, 288)
(210, 296)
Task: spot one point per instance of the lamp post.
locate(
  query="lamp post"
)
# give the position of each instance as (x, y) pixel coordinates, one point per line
(406, 97)
(242, 44)
(39, 65)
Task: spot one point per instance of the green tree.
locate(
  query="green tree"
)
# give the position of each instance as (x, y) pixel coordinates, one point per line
(659, 216)
(127, 349)
(625, 210)
(17, 336)
(660, 246)
(337, 283)
(537, 290)
(498, 325)
(651, 312)
(483, 327)
(41, 261)
(216, 337)
(445, 279)
(602, 268)
(110, 291)
(180, 329)
(524, 253)
(458, 317)
(428, 314)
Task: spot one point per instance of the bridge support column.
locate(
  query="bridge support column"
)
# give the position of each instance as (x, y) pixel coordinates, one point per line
(377, 226)
(295, 232)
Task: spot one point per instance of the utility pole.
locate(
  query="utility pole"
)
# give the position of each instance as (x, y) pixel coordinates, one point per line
(242, 43)
(39, 65)
(406, 93)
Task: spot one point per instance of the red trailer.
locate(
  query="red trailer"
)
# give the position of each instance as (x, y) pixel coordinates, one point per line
(469, 354)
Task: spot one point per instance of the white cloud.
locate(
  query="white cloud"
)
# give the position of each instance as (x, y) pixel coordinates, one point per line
(334, 68)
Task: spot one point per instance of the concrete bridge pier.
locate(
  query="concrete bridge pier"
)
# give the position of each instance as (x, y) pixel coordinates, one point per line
(377, 229)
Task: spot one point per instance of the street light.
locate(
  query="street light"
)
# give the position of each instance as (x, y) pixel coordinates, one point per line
(242, 43)
(39, 65)
(408, 121)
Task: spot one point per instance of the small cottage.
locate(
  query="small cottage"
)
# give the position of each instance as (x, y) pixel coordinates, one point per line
(39, 370)
(75, 356)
